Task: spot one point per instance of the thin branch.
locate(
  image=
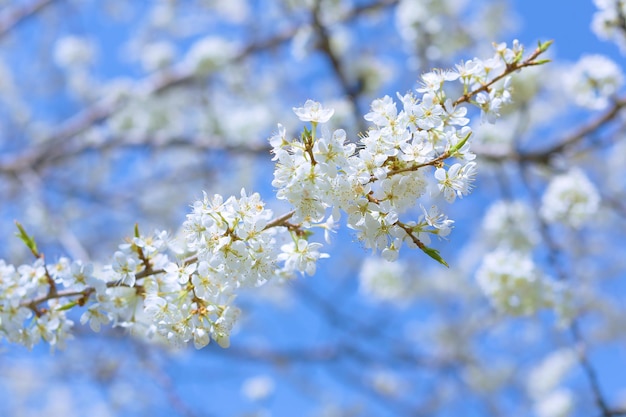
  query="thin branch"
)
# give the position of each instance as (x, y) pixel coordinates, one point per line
(589, 371)
(543, 156)
(352, 90)
(553, 255)
(510, 68)
(153, 84)
(12, 18)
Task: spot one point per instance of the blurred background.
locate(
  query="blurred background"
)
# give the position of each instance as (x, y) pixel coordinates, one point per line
(120, 112)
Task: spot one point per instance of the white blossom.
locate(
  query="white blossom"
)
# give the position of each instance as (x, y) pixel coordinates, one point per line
(593, 81)
(73, 52)
(301, 256)
(210, 53)
(258, 388)
(381, 280)
(511, 224)
(559, 403)
(513, 283)
(312, 111)
(547, 375)
(607, 21)
(570, 198)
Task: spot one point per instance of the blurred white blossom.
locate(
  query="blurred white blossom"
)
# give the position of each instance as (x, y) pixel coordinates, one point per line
(547, 375)
(559, 403)
(71, 52)
(157, 55)
(511, 224)
(570, 198)
(607, 21)
(381, 280)
(593, 80)
(258, 388)
(513, 283)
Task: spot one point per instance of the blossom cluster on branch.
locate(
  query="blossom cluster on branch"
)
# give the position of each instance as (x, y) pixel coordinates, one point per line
(186, 292)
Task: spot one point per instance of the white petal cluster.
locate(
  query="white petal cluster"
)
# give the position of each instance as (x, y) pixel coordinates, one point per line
(73, 52)
(157, 55)
(513, 283)
(18, 322)
(570, 198)
(593, 81)
(396, 160)
(381, 280)
(559, 403)
(209, 53)
(312, 111)
(144, 289)
(607, 21)
(156, 289)
(193, 300)
(235, 247)
(258, 388)
(511, 224)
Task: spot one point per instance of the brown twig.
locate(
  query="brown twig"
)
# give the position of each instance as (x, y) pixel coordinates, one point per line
(12, 18)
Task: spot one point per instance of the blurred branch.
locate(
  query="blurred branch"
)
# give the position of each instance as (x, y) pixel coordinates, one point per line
(9, 19)
(554, 253)
(351, 89)
(159, 82)
(159, 375)
(589, 371)
(543, 156)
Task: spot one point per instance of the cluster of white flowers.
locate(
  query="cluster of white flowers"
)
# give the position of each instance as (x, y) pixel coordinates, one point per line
(157, 55)
(234, 246)
(395, 161)
(608, 21)
(511, 224)
(231, 245)
(515, 285)
(184, 295)
(593, 81)
(73, 51)
(429, 25)
(209, 53)
(21, 320)
(258, 388)
(570, 198)
(385, 281)
(74, 55)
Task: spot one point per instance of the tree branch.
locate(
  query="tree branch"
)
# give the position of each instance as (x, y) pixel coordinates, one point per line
(12, 18)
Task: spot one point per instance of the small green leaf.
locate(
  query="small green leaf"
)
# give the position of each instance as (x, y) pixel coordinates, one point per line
(433, 253)
(460, 144)
(306, 134)
(68, 306)
(544, 46)
(137, 230)
(28, 240)
(542, 61)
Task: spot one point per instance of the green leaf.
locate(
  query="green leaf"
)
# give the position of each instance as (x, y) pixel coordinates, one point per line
(460, 144)
(544, 46)
(433, 253)
(542, 61)
(305, 134)
(68, 306)
(29, 241)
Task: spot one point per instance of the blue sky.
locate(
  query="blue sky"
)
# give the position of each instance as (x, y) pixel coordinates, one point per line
(567, 23)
